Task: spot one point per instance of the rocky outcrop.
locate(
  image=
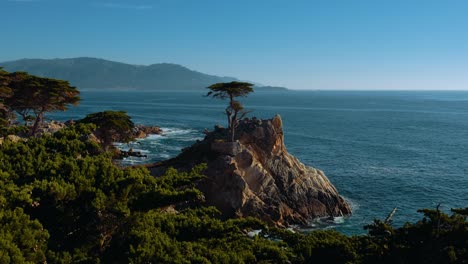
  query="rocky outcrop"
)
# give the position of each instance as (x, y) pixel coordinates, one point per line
(12, 138)
(130, 153)
(50, 127)
(256, 176)
(141, 131)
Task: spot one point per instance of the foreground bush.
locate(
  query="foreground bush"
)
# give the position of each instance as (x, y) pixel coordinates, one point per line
(63, 201)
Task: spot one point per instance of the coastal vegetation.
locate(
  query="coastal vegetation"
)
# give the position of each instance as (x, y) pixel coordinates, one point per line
(64, 200)
(111, 126)
(31, 97)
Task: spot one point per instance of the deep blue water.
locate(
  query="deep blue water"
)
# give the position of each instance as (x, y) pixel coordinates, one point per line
(380, 149)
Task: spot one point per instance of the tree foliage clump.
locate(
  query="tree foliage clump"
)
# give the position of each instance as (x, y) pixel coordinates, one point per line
(437, 238)
(111, 126)
(5, 93)
(22, 240)
(32, 96)
(235, 110)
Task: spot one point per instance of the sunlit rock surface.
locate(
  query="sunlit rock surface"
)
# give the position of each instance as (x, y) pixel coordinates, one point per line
(256, 176)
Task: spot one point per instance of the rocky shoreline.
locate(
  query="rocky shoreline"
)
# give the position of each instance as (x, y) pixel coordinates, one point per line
(253, 176)
(256, 176)
(139, 131)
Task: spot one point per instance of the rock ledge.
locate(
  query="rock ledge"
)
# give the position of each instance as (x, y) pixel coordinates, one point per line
(256, 176)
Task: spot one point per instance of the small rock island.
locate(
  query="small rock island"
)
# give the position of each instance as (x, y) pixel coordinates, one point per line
(256, 176)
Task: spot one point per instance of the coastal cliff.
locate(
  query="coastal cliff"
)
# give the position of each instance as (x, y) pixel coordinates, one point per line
(256, 176)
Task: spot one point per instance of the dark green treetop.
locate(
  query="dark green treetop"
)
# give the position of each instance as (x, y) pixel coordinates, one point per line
(230, 91)
(33, 96)
(5, 92)
(111, 126)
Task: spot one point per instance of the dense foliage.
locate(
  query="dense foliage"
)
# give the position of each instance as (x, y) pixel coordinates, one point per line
(5, 93)
(62, 200)
(31, 97)
(111, 126)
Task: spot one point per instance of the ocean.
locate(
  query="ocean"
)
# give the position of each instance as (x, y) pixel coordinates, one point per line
(381, 149)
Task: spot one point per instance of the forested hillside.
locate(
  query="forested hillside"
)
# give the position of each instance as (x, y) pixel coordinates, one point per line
(92, 73)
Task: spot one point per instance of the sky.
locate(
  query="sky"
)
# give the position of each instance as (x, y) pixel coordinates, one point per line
(329, 44)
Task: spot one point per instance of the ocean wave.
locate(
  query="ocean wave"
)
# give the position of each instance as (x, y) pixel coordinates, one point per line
(133, 161)
(172, 131)
(135, 150)
(389, 170)
(152, 137)
(339, 220)
(322, 223)
(190, 139)
(164, 156)
(352, 203)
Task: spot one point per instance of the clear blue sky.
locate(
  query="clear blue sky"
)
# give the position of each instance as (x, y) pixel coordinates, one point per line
(328, 44)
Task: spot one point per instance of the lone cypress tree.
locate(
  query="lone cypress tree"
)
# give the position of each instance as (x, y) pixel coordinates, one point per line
(235, 109)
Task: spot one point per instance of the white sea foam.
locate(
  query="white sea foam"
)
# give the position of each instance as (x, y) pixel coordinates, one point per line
(142, 150)
(158, 147)
(172, 148)
(339, 220)
(153, 137)
(173, 131)
(127, 148)
(353, 204)
(323, 223)
(132, 161)
(190, 139)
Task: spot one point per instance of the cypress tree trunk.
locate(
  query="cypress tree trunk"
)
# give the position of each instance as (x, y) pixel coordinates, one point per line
(38, 121)
(232, 118)
(233, 125)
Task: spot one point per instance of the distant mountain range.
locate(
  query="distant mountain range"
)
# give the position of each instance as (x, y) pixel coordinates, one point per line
(92, 73)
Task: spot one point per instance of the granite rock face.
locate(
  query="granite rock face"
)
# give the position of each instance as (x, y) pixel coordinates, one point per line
(256, 176)
(141, 131)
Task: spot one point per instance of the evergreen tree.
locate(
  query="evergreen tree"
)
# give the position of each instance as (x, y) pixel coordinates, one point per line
(230, 91)
(34, 96)
(111, 126)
